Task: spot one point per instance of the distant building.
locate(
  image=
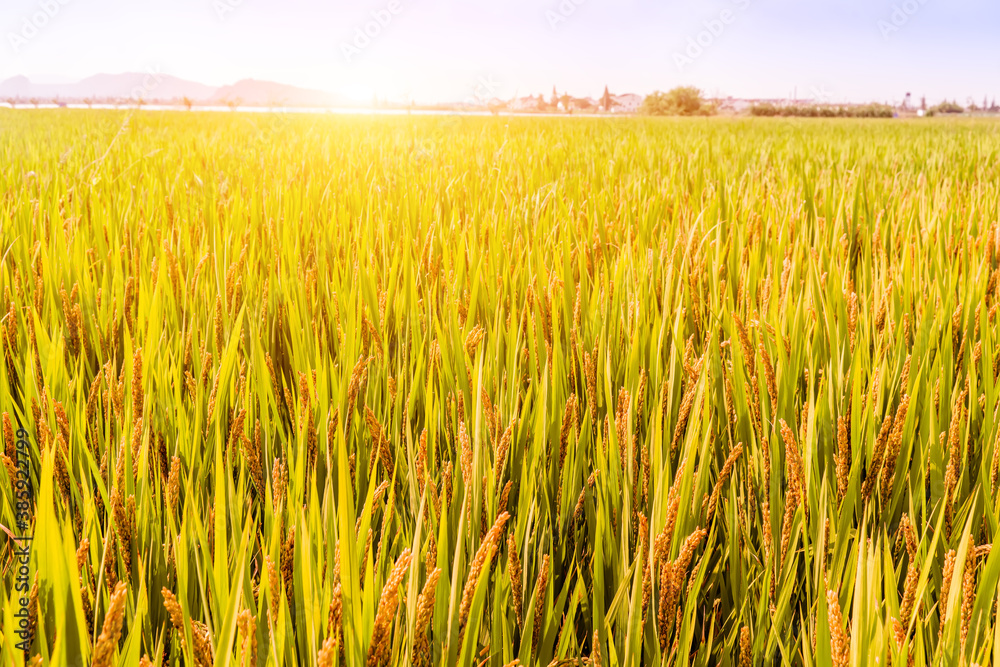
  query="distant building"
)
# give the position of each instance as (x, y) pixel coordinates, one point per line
(729, 105)
(567, 103)
(528, 103)
(628, 103)
(583, 104)
(741, 105)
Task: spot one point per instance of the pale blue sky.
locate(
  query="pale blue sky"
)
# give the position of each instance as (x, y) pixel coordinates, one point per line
(455, 49)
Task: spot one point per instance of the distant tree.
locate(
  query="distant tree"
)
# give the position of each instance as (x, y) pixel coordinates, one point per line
(34, 101)
(946, 107)
(89, 101)
(606, 100)
(554, 101)
(234, 103)
(682, 101)
(12, 101)
(657, 104)
(822, 110)
(566, 100)
(765, 109)
(187, 102)
(923, 103)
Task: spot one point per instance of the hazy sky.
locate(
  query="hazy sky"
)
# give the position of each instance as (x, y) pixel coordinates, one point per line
(858, 50)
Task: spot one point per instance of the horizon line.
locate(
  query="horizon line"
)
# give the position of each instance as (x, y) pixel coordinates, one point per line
(410, 100)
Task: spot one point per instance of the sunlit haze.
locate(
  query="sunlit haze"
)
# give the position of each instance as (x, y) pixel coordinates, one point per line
(446, 50)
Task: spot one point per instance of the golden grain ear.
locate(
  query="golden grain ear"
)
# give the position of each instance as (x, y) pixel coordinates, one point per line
(775, 339)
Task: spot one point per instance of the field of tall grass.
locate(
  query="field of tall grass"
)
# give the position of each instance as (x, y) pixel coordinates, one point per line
(472, 391)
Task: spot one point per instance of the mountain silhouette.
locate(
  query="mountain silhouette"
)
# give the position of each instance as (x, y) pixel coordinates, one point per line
(157, 87)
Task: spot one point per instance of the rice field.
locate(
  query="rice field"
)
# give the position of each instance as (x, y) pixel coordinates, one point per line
(488, 391)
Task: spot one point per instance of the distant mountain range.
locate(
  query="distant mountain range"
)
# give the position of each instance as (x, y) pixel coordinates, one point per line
(154, 87)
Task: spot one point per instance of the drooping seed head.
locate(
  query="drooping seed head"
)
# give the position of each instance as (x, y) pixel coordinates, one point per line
(107, 642)
(381, 643)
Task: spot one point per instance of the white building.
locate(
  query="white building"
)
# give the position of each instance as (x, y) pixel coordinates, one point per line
(524, 104)
(628, 103)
